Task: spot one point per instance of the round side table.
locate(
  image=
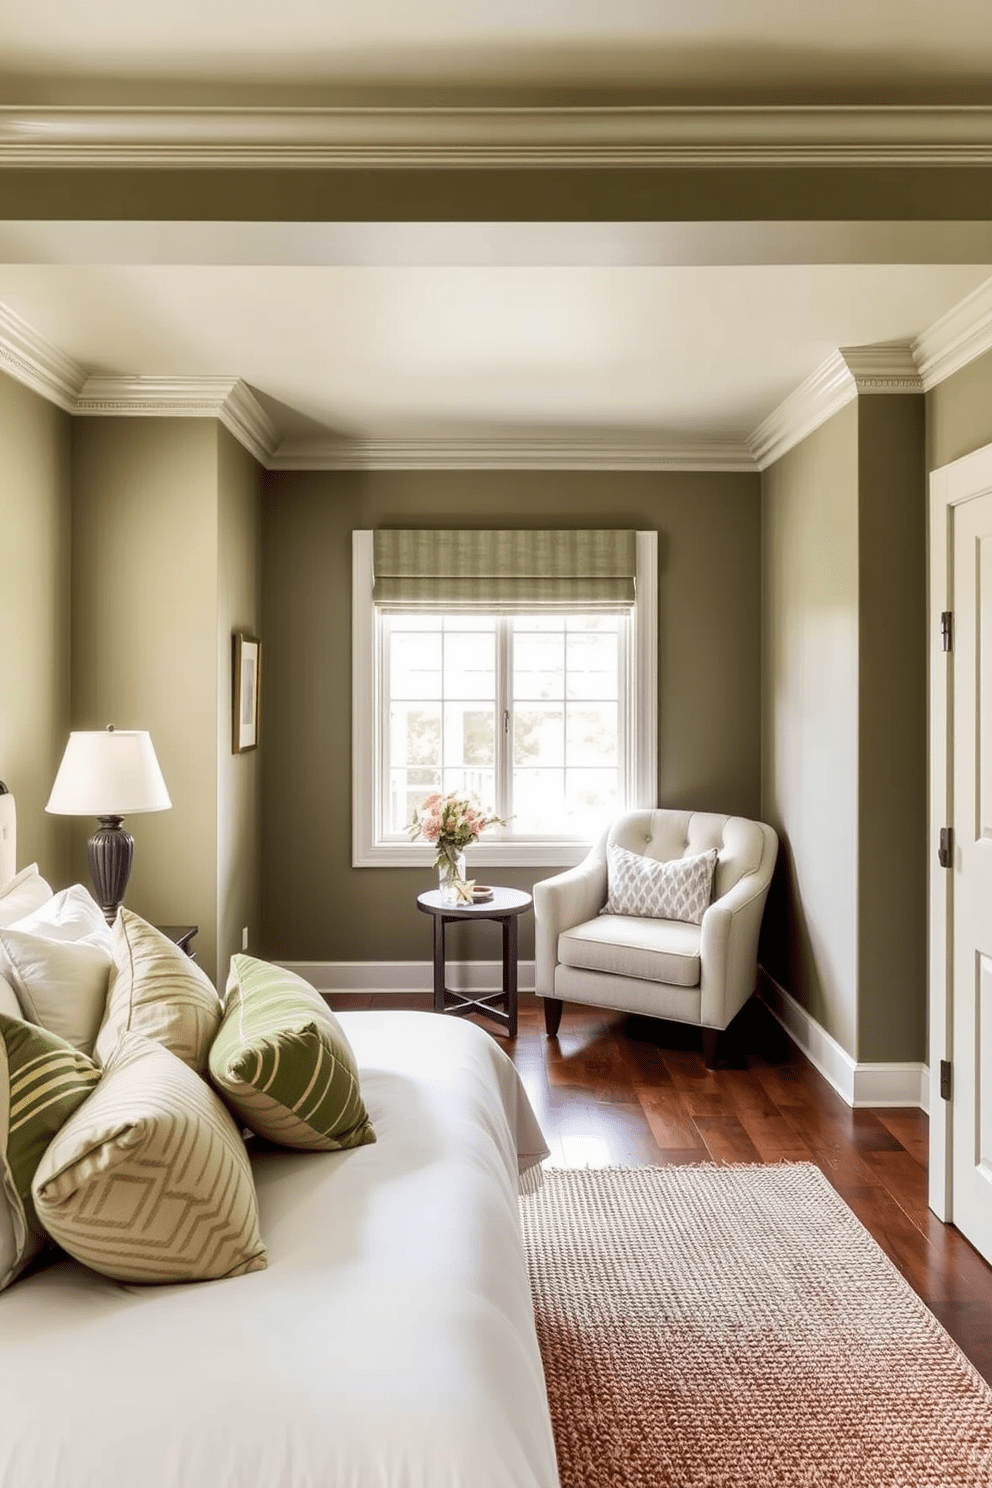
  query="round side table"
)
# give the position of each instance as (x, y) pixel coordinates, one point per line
(505, 906)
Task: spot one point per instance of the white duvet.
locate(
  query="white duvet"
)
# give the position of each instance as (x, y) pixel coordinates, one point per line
(389, 1342)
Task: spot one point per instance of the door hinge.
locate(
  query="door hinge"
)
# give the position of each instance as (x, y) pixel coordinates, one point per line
(945, 849)
(947, 630)
(945, 1079)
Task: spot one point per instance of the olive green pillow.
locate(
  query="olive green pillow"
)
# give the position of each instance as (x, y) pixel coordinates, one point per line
(42, 1082)
(283, 1064)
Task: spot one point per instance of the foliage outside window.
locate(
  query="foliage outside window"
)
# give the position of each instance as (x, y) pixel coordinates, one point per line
(547, 717)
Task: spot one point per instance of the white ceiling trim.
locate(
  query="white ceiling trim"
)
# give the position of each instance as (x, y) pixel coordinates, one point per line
(228, 399)
(28, 357)
(957, 338)
(512, 453)
(964, 333)
(886, 368)
(414, 137)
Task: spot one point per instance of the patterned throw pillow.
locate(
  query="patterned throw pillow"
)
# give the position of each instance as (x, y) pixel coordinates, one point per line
(679, 889)
(157, 990)
(149, 1181)
(283, 1064)
(43, 1080)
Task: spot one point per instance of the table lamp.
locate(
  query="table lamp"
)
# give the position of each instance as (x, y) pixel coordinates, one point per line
(109, 773)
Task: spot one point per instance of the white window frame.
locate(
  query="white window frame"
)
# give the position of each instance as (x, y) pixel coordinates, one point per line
(370, 847)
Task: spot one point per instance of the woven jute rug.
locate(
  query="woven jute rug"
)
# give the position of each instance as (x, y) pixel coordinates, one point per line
(737, 1326)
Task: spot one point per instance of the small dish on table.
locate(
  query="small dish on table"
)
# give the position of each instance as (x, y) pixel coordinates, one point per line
(481, 893)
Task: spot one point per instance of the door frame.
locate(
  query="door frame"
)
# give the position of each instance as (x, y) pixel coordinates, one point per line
(950, 486)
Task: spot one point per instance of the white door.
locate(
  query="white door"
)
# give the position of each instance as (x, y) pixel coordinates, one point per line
(966, 1027)
(971, 1083)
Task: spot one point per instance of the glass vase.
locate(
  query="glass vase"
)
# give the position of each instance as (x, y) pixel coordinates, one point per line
(450, 873)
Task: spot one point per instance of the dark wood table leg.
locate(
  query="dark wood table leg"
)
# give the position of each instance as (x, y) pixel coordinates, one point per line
(510, 972)
(439, 963)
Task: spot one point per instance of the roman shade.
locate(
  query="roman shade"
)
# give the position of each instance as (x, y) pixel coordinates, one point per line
(498, 572)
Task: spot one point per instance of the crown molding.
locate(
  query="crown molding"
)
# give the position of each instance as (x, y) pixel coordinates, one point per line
(244, 417)
(957, 338)
(228, 399)
(510, 453)
(29, 358)
(889, 367)
(886, 367)
(824, 393)
(495, 137)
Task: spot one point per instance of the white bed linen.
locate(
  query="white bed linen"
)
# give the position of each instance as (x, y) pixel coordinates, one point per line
(389, 1344)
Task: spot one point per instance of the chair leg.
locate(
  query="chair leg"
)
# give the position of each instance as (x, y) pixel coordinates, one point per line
(552, 1015)
(710, 1039)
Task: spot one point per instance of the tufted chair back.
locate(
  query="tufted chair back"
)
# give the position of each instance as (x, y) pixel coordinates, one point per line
(661, 834)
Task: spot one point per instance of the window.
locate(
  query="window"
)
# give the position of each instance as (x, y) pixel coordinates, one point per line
(546, 714)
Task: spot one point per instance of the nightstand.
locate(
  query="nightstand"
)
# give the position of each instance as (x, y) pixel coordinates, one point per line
(182, 935)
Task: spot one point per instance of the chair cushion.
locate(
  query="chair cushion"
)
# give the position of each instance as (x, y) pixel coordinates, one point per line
(655, 950)
(680, 889)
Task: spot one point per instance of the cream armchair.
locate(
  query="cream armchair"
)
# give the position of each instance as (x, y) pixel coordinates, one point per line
(699, 974)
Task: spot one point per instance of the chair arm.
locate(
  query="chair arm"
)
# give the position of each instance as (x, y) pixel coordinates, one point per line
(728, 949)
(568, 899)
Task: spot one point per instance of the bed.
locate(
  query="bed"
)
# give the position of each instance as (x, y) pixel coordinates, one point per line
(390, 1340)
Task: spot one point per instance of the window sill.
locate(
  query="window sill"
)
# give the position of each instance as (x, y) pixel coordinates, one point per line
(535, 854)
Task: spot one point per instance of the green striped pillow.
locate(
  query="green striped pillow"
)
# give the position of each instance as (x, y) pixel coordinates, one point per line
(42, 1082)
(283, 1064)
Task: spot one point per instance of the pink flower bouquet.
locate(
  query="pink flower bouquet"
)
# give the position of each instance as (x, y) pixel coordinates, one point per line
(452, 823)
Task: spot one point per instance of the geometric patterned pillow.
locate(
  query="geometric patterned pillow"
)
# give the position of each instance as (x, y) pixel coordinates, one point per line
(679, 889)
(42, 1082)
(157, 990)
(149, 1180)
(282, 1062)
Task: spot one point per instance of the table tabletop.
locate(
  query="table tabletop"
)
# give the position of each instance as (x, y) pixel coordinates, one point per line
(504, 902)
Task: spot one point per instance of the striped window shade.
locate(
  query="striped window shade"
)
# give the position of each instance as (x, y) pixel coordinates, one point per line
(501, 572)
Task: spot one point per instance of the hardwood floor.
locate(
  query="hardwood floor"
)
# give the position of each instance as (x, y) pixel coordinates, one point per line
(618, 1090)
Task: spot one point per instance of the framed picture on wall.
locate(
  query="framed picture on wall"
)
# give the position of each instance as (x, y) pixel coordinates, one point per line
(247, 679)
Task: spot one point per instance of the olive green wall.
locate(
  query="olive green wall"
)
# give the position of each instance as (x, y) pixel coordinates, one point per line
(892, 730)
(239, 780)
(845, 724)
(642, 193)
(959, 413)
(144, 603)
(316, 906)
(165, 563)
(34, 618)
(809, 778)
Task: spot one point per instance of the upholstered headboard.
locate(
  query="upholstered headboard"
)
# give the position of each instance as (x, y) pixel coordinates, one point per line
(8, 835)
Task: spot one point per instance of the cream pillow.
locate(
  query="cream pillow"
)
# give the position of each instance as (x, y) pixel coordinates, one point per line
(9, 1004)
(149, 1180)
(22, 894)
(61, 984)
(71, 914)
(157, 990)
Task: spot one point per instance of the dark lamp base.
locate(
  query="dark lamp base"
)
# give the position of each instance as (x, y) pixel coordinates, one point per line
(111, 851)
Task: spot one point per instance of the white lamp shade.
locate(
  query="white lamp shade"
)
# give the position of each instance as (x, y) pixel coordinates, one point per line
(108, 772)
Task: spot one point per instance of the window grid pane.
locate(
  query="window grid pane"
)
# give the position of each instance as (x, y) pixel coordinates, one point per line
(566, 759)
(556, 769)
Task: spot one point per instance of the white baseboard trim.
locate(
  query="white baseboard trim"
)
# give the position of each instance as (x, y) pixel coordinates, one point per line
(382, 978)
(857, 1084)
